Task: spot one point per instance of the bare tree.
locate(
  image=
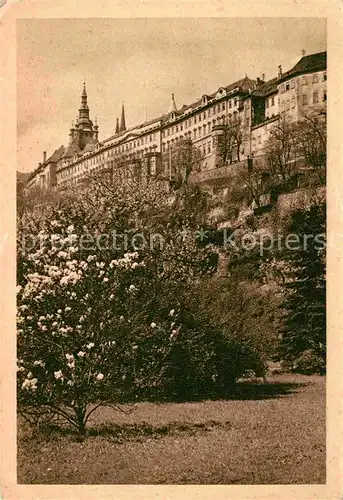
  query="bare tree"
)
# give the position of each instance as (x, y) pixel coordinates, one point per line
(257, 181)
(312, 138)
(230, 141)
(282, 152)
(181, 160)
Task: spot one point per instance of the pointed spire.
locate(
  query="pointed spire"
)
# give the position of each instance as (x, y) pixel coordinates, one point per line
(84, 104)
(122, 121)
(172, 106)
(117, 127)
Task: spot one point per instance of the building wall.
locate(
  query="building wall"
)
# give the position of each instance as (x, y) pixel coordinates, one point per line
(260, 135)
(256, 111)
(135, 143)
(302, 93)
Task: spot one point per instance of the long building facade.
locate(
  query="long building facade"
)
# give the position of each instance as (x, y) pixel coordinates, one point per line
(143, 151)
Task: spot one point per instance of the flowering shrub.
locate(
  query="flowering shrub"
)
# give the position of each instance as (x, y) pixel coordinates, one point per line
(109, 324)
(94, 326)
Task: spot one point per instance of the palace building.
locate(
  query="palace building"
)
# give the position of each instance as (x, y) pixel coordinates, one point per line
(256, 105)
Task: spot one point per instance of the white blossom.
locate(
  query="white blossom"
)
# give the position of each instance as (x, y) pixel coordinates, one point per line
(58, 374)
(99, 376)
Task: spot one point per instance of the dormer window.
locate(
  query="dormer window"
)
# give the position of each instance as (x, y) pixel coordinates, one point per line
(172, 115)
(204, 99)
(221, 92)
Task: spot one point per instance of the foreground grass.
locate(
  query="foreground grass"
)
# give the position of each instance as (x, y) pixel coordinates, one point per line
(273, 434)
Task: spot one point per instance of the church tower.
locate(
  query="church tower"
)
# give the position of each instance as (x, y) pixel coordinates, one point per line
(83, 134)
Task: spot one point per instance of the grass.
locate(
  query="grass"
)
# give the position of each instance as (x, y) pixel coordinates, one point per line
(268, 434)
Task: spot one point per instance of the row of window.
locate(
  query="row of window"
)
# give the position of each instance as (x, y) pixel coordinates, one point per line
(202, 116)
(304, 81)
(315, 98)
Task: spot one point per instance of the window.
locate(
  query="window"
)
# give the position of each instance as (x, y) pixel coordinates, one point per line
(315, 78)
(209, 147)
(273, 101)
(315, 98)
(223, 106)
(282, 88)
(195, 119)
(195, 133)
(293, 102)
(204, 117)
(177, 128)
(235, 101)
(292, 84)
(287, 86)
(267, 103)
(304, 80)
(304, 100)
(324, 96)
(230, 104)
(324, 76)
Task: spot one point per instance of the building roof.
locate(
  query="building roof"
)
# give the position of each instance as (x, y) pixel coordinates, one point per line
(90, 146)
(243, 85)
(132, 129)
(71, 149)
(56, 155)
(265, 88)
(307, 64)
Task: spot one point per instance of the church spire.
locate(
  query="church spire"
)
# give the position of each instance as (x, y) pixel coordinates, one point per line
(84, 104)
(117, 127)
(172, 106)
(122, 121)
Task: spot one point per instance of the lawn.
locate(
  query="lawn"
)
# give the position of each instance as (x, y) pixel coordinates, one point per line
(270, 433)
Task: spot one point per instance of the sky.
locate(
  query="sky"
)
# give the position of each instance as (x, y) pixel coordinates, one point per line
(140, 62)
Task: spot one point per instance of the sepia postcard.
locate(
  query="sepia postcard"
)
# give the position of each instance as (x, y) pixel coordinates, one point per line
(170, 250)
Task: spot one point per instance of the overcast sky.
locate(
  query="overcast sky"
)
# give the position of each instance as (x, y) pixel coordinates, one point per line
(140, 62)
